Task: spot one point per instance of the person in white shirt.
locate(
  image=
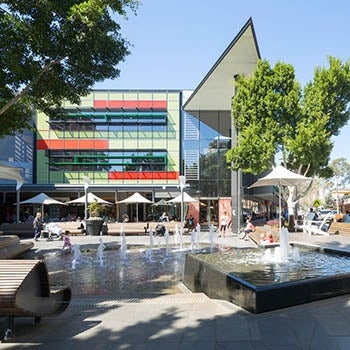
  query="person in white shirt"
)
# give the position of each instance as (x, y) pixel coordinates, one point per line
(223, 224)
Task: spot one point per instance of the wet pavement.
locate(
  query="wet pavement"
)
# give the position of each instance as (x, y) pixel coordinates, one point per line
(169, 316)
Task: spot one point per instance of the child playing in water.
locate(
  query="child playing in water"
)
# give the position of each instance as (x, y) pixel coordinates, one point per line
(266, 238)
(66, 242)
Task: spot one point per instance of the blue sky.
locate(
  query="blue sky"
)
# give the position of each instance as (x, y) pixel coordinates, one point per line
(175, 43)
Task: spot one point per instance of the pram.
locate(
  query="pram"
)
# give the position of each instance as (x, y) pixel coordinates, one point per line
(160, 229)
(54, 231)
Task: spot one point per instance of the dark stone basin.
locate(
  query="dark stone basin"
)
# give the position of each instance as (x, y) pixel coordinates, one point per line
(257, 287)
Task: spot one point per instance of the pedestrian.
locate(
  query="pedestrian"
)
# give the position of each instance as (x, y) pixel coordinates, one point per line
(346, 217)
(66, 242)
(164, 217)
(249, 228)
(37, 225)
(223, 224)
(190, 222)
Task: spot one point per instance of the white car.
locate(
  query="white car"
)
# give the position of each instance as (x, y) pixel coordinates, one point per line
(324, 212)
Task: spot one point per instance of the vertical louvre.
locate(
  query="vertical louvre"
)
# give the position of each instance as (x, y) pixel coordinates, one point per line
(191, 163)
(191, 131)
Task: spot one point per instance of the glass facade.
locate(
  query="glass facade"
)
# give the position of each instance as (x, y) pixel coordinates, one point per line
(205, 164)
(17, 151)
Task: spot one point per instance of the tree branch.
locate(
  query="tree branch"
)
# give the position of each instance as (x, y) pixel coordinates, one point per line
(20, 95)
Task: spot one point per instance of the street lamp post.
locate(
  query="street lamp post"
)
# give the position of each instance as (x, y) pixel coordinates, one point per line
(236, 180)
(18, 198)
(182, 184)
(87, 183)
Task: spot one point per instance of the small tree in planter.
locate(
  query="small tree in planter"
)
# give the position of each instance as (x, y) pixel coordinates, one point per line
(94, 222)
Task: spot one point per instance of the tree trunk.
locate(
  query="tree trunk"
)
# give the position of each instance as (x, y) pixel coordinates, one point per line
(291, 208)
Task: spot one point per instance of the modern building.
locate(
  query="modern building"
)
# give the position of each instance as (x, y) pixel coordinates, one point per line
(208, 109)
(142, 141)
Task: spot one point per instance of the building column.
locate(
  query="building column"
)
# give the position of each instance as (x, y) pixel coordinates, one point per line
(236, 183)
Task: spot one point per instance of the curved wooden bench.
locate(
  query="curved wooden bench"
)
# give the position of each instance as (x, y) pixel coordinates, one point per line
(11, 246)
(6, 240)
(129, 228)
(25, 291)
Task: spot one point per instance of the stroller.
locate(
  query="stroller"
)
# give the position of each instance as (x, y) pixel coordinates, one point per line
(54, 231)
(160, 229)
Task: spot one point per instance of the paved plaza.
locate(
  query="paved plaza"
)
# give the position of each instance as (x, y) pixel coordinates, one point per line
(184, 320)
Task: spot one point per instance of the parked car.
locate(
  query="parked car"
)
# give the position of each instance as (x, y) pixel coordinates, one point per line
(324, 212)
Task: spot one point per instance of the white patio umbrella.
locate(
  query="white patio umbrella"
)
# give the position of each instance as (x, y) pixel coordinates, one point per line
(136, 198)
(90, 199)
(42, 199)
(280, 176)
(186, 199)
(182, 198)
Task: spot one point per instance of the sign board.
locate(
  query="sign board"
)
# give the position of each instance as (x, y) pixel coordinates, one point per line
(317, 203)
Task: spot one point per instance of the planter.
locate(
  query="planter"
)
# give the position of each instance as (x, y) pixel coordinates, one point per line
(94, 227)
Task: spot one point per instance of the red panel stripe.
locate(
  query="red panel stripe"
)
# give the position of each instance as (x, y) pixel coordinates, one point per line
(130, 104)
(144, 175)
(72, 144)
(101, 104)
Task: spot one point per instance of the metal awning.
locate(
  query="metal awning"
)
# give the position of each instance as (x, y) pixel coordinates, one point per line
(215, 91)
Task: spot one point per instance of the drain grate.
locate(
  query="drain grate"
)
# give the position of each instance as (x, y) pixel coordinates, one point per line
(173, 299)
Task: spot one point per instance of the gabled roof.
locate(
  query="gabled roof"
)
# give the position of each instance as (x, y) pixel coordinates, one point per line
(215, 91)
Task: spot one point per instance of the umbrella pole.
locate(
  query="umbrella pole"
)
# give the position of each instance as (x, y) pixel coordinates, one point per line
(17, 205)
(86, 205)
(280, 205)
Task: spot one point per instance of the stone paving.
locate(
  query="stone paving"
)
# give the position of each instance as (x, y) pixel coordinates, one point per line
(185, 320)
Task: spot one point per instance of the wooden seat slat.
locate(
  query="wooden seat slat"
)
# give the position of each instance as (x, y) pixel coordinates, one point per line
(341, 228)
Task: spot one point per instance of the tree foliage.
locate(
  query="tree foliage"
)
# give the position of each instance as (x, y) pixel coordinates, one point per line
(274, 115)
(56, 50)
(341, 172)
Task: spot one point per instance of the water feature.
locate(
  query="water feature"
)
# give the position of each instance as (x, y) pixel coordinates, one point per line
(176, 235)
(115, 277)
(198, 235)
(284, 245)
(181, 236)
(258, 280)
(166, 238)
(261, 280)
(193, 240)
(100, 249)
(150, 247)
(123, 249)
(211, 237)
(76, 255)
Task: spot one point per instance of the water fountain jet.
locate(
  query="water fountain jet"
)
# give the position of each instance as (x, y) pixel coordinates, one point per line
(100, 250)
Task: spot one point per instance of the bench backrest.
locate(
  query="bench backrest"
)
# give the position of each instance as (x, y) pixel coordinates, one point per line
(341, 228)
(21, 282)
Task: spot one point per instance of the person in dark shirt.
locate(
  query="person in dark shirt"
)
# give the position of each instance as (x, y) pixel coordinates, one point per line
(37, 225)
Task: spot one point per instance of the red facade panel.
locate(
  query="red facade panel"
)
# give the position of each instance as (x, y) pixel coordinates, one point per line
(144, 175)
(130, 104)
(72, 144)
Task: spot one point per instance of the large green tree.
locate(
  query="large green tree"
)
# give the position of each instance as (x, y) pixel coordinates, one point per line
(55, 50)
(341, 172)
(278, 121)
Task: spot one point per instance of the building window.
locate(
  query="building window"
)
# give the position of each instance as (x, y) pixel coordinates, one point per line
(109, 160)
